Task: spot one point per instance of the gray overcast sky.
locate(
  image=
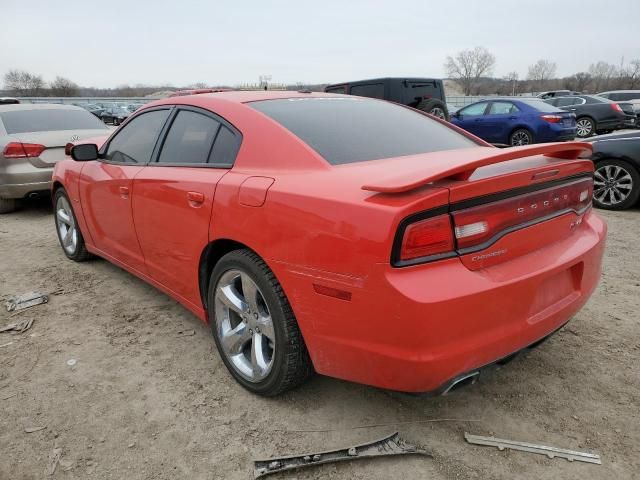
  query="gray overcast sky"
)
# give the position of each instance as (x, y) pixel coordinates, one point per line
(111, 42)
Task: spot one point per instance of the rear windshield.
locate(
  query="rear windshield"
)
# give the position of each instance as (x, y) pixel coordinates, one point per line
(540, 105)
(23, 121)
(348, 129)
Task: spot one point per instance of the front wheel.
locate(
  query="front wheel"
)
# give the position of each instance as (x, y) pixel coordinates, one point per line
(585, 127)
(616, 185)
(69, 235)
(520, 137)
(254, 327)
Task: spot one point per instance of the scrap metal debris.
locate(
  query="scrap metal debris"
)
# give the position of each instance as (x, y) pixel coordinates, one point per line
(18, 327)
(387, 446)
(54, 458)
(26, 300)
(550, 452)
(186, 333)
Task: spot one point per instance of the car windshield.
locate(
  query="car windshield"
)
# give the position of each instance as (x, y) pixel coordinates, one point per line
(540, 105)
(349, 129)
(47, 120)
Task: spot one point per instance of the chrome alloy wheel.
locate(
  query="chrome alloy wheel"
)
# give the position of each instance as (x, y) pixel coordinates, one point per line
(438, 112)
(612, 184)
(67, 229)
(244, 326)
(584, 127)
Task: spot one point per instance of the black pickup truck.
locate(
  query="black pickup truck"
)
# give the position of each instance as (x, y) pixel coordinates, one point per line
(426, 94)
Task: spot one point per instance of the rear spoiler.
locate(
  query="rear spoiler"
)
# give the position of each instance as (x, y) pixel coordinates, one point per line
(465, 162)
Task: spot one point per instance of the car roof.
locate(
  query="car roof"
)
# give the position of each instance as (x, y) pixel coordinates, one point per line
(240, 96)
(384, 79)
(619, 91)
(37, 106)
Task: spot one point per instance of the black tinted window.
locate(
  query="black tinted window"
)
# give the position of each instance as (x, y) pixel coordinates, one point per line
(348, 129)
(372, 90)
(336, 90)
(189, 139)
(225, 149)
(540, 105)
(47, 120)
(134, 143)
(565, 101)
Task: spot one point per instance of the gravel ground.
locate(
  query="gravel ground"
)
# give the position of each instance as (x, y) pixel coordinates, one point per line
(144, 401)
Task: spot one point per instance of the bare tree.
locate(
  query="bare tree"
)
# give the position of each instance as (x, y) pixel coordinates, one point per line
(468, 66)
(632, 75)
(63, 87)
(578, 82)
(602, 73)
(24, 83)
(540, 72)
(199, 85)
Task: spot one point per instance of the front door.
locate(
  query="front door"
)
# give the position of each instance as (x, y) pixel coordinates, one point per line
(106, 187)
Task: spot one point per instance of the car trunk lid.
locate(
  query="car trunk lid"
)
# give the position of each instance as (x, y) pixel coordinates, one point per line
(54, 143)
(503, 203)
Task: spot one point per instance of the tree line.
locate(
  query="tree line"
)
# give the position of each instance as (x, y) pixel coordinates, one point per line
(472, 70)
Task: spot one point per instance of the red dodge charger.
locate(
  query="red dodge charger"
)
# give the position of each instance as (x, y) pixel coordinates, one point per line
(348, 236)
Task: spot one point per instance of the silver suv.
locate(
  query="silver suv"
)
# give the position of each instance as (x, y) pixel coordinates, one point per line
(32, 139)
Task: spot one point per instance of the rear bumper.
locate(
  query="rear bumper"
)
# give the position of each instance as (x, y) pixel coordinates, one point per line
(416, 329)
(19, 184)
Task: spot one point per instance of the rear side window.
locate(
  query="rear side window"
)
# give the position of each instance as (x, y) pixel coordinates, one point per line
(540, 105)
(348, 129)
(502, 108)
(371, 90)
(189, 139)
(336, 90)
(225, 149)
(565, 101)
(47, 120)
(135, 142)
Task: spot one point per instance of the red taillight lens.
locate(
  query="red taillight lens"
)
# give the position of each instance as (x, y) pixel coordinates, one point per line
(478, 225)
(616, 107)
(551, 118)
(22, 150)
(425, 238)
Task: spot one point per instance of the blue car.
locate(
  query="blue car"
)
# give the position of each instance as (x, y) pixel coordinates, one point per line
(507, 121)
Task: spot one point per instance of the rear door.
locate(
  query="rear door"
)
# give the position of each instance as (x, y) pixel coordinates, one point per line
(106, 187)
(501, 118)
(173, 196)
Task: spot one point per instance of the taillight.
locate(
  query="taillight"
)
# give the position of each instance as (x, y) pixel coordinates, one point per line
(616, 107)
(477, 227)
(551, 118)
(67, 149)
(425, 238)
(22, 150)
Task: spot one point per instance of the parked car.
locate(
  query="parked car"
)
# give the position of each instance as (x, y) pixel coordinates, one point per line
(91, 108)
(132, 107)
(617, 170)
(426, 94)
(8, 101)
(593, 114)
(32, 141)
(115, 115)
(332, 217)
(511, 121)
(626, 96)
(556, 93)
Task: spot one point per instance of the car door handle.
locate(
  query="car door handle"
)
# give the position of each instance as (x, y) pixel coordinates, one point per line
(124, 192)
(195, 198)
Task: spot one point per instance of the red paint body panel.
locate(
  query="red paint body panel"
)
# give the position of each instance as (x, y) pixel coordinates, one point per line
(411, 328)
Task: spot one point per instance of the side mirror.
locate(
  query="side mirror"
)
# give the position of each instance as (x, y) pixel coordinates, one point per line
(84, 152)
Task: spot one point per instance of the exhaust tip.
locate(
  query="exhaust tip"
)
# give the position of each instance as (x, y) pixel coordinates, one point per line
(468, 379)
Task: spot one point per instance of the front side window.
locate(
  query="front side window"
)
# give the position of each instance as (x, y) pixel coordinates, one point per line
(189, 139)
(352, 129)
(474, 110)
(502, 108)
(134, 143)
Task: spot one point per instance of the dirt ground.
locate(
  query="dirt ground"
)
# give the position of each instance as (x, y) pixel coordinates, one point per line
(146, 402)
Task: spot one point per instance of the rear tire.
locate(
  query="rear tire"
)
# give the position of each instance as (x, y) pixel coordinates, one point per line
(115, 122)
(434, 107)
(585, 127)
(69, 234)
(256, 333)
(616, 185)
(7, 205)
(520, 137)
